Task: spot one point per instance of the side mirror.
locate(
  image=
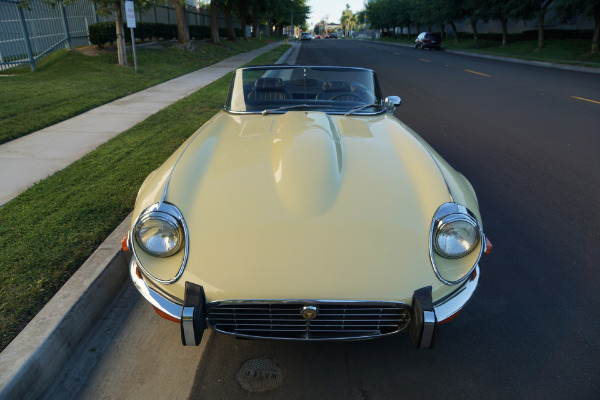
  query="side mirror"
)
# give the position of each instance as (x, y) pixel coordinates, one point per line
(391, 103)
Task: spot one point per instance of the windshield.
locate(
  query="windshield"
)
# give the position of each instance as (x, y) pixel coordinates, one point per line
(278, 89)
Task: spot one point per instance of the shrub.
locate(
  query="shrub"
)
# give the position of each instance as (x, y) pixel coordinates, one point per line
(105, 32)
(559, 34)
(102, 32)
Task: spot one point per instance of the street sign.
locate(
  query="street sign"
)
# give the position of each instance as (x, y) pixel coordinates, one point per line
(130, 14)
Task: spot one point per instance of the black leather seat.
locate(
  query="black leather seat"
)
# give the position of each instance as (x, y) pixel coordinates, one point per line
(266, 89)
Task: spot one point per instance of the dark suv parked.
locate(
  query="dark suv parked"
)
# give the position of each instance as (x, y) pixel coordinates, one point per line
(428, 39)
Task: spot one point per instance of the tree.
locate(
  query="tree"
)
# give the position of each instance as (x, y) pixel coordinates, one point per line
(449, 11)
(380, 14)
(474, 9)
(214, 22)
(500, 10)
(568, 9)
(105, 7)
(240, 8)
(257, 7)
(541, 10)
(402, 15)
(361, 19)
(348, 20)
(183, 31)
(226, 6)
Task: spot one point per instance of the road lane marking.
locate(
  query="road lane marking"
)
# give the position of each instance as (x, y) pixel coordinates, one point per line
(581, 98)
(398, 54)
(424, 60)
(477, 73)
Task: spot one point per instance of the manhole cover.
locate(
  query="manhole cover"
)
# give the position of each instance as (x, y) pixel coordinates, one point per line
(259, 375)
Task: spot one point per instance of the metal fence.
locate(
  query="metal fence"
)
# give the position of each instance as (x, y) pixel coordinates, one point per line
(29, 34)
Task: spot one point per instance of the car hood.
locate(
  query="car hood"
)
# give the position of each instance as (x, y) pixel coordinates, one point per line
(304, 205)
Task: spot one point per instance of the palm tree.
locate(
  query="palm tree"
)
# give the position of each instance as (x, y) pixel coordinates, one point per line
(348, 20)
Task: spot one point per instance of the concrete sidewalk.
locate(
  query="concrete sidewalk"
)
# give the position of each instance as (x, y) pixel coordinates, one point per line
(38, 155)
(30, 363)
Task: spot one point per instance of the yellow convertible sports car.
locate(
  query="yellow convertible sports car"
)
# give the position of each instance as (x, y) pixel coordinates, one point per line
(306, 211)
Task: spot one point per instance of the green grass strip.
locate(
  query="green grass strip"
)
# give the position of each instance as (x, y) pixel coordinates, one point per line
(48, 231)
(69, 83)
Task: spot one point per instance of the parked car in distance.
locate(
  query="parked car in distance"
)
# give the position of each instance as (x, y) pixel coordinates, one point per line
(318, 37)
(428, 40)
(305, 36)
(333, 35)
(305, 210)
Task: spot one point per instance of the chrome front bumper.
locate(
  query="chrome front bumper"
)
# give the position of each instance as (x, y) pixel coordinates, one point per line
(425, 314)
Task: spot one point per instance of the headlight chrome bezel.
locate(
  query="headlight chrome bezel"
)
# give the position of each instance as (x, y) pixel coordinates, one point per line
(163, 218)
(446, 215)
(171, 215)
(446, 223)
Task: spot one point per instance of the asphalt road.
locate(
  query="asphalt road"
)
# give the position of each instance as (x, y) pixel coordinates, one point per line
(528, 139)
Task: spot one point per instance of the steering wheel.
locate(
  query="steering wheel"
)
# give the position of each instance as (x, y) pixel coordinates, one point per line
(347, 94)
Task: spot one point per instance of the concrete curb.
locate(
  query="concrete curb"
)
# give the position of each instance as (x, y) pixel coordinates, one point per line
(565, 67)
(31, 362)
(288, 54)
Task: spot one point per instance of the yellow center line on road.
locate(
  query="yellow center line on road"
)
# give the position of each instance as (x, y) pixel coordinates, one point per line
(477, 73)
(424, 60)
(581, 98)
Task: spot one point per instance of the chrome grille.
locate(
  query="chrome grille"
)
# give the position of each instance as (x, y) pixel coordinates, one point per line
(283, 320)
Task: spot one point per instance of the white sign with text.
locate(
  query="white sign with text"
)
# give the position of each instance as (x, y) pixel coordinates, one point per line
(130, 14)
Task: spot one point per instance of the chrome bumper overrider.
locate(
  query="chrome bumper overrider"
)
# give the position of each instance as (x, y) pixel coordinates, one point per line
(168, 307)
(425, 314)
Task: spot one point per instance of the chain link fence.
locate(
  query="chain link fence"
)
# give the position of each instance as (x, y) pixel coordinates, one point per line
(29, 34)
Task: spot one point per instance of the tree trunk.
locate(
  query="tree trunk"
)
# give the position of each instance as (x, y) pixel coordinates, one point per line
(504, 23)
(540, 18)
(474, 29)
(121, 52)
(214, 22)
(183, 31)
(255, 21)
(243, 15)
(228, 21)
(596, 38)
(453, 25)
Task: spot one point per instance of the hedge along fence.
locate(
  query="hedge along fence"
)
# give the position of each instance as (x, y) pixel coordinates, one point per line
(106, 32)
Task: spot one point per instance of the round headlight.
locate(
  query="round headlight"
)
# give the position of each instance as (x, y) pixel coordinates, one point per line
(159, 234)
(456, 235)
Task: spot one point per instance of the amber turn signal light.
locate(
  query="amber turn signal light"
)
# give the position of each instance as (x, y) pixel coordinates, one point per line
(124, 243)
(488, 246)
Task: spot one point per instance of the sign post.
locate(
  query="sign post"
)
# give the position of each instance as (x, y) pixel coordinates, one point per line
(130, 14)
